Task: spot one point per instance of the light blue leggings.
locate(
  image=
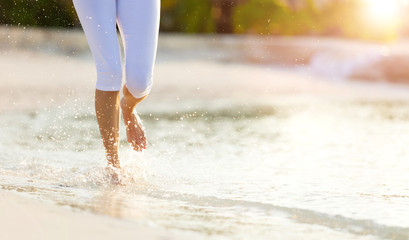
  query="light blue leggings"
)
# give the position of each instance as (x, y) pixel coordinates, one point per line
(138, 23)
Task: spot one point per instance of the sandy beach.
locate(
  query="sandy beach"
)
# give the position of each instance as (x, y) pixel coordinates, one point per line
(23, 218)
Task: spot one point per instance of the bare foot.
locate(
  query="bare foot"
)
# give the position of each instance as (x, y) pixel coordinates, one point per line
(134, 129)
(113, 173)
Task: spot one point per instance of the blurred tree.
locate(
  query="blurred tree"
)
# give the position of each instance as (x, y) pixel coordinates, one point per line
(260, 17)
(341, 18)
(222, 12)
(38, 13)
(187, 16)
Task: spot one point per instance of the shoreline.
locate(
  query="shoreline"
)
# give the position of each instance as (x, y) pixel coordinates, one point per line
(24, 218)
(43, 95)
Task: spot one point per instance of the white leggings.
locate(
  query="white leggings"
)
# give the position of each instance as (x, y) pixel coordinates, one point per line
(138, 23)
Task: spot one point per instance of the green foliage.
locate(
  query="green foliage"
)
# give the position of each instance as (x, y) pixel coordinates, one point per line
(337, 18)
(306, 20)
(272, 17)
(37, 13)
(187, 16)
(259, 16)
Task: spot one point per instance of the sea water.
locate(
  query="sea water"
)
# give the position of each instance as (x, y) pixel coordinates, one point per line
(236, 151)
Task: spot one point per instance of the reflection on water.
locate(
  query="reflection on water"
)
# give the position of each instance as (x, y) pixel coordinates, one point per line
(325, 166)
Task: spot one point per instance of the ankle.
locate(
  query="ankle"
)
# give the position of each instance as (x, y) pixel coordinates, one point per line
(113, 159)
(114, 164)
(129, 102)
(125, 105)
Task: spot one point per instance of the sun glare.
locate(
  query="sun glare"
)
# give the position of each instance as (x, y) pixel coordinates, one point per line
(383, 12)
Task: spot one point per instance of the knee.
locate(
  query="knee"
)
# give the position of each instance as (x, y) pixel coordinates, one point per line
(139, 84)
(109, 79)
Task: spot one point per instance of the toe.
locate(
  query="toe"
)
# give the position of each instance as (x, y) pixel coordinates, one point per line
(135, 146)
(138, 149)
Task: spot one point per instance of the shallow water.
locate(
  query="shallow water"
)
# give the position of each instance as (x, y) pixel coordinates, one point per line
(235, 172)
(256, 164)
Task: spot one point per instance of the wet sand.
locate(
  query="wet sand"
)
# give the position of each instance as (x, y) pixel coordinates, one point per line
(23, 218)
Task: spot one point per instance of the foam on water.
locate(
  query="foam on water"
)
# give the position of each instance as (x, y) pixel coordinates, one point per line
(267, 166)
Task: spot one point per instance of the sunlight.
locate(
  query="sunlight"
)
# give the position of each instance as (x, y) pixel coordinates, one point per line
(382, 19)
(383, 12)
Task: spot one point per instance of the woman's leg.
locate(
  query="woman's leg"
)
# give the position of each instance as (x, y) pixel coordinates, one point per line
(98, 20)
(138, 22)
(134, 129)
(107, 110)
